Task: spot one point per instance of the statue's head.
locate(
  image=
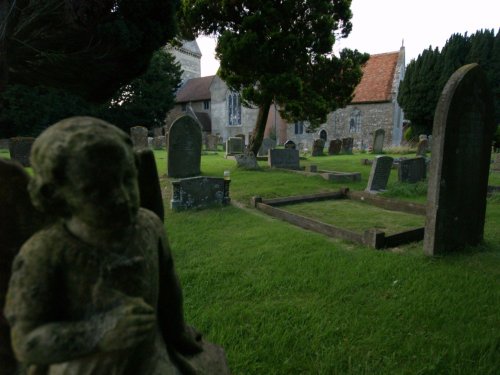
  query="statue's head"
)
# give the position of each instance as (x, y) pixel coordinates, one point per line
(85, 167)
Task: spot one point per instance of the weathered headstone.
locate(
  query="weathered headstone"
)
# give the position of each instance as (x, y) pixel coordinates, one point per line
(423, 147)
(184, 148)
(458, 179)
(199, 192)
(284, 158)
(159, 142)
(211, 142)
(267, 144)
(412, 170)
(335, 147)
(318, 146)
(234, 145)
(379, 175)
(378, 141)
(139, 135)
(290, 145)
(247, 160)
(347, 144)
(20, 149)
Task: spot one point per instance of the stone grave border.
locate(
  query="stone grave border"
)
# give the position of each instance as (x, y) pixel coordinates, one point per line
(327, 175)
(371, 237)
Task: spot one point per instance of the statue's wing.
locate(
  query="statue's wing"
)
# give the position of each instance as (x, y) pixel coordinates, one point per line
(19, 220)
(149, 183)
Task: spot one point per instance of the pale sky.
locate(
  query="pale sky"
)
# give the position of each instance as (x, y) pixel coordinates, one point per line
(381, 25)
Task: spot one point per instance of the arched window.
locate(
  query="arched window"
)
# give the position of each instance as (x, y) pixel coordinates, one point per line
(234, 109)
(355, 121)
(323, 135)
(299, 127)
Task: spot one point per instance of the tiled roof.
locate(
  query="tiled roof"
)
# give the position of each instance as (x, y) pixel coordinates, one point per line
(195, 89)
(378, 75)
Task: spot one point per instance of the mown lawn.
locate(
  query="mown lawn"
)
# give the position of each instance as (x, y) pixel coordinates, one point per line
(282, 300)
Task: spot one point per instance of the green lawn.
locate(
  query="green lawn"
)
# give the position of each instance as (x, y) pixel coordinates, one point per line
(282, 300)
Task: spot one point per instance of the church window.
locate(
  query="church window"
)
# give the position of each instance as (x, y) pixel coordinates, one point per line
(184, 107)
(355, 121)
(206, 104)
(234, 109)
(299, 127)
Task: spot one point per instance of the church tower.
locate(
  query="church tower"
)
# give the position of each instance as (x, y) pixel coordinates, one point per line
(189, 57)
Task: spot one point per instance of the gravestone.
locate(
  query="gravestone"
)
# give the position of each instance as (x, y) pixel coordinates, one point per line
(242, 136)
(412, 170)
(184, 148)
(378, 141)
(199, 192)
(429, 143)
(458, 177)
(347, 145)
(159, 142)
(290, 145)
(421, 137)
(139, 135)
(247, 160)
(423, 147)
(335, 147)
(318, 146)
(211, 142)
(267, 144)
(379, 175)
(234, 146)
(284, 158)
(20, 149)
(496, 163)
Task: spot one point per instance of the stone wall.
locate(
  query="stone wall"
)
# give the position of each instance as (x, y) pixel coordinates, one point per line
(190, 63)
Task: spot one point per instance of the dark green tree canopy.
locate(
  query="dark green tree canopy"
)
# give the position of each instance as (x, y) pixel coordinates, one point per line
(281, 52)
(427, 75)
(89, 47)
(144, 101)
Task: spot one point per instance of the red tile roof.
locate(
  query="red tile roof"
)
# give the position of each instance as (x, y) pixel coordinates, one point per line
(195, 89)
(378, 74)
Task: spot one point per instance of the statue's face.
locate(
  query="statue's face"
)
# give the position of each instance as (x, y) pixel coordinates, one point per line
(101, 187)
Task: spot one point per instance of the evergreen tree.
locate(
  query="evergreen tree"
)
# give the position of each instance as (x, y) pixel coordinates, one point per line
(281, 52)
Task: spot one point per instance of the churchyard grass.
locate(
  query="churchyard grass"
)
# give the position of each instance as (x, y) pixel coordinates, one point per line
(282, 300)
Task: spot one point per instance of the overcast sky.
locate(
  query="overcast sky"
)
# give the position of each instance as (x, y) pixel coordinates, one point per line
(381, 26)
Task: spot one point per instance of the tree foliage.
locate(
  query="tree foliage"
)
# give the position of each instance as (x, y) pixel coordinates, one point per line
(281, 52)
(427, 75)
(88, 47)
(144, 101)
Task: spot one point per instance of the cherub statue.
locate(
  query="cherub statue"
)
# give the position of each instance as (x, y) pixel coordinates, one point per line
(96, 292)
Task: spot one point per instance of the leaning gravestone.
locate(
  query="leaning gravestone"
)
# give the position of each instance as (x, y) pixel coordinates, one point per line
(20, 149)
(378, 141)
(335, 147)
(211, 142)
(139, 135)
(184, 148)
(412, 170)
(199, 192)
(347, 144)
(234, 146)
(267, 144)
(458, 180)
(318, 146)
(290, 145)
(379, 175)
(423, 147)
(284, 158)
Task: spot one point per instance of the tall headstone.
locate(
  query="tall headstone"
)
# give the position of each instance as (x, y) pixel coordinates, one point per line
(290, 145)
(318, 146)
(267, 144)
(335, 147)
(284, 158)
(234, 146)
(211, 142)
(423, 147)
(139, 135)
(347, 145)
(379, 175)
(184, 148)
(20, 149)
(378, 141)
(458, 178)
(412, 170)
